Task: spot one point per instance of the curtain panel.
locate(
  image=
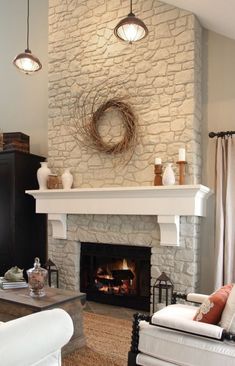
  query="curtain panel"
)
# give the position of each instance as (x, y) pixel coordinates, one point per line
(225, 211)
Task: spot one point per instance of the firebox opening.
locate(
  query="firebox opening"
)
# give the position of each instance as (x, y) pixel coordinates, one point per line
(116, 274)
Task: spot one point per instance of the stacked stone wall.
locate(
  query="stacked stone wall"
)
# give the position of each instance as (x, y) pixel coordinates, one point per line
(162, 77)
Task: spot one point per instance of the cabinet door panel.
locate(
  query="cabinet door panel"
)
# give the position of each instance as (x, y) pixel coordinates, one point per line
(6, 215)
(23, 233)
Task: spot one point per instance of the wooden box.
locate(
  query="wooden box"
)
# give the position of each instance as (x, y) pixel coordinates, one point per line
(16, 141)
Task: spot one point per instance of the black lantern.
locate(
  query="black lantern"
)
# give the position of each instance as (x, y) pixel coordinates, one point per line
(162, 292)
(53, 273)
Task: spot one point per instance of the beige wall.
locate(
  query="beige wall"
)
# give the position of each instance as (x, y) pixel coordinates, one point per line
(23, 98)
(218, 115)
(218, 94)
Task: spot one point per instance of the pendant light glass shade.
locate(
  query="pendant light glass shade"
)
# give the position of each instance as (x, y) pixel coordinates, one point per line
(26, 61)
(131, 29)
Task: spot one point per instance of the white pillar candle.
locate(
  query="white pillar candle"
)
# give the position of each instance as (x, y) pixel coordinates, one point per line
(182, 154)
(158, 161)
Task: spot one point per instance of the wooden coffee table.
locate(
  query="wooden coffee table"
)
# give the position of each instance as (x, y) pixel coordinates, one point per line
(15, 303)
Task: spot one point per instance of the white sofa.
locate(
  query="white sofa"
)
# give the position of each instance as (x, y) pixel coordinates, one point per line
(171, 337)
(36, 339)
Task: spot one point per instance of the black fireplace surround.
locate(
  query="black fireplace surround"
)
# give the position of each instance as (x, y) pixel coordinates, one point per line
(116, 274)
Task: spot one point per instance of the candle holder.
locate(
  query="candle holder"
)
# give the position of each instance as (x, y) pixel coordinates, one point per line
(182, 166)
(158, 175)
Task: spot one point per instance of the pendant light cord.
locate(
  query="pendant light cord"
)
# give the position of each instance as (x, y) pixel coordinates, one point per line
(130, 6)
(27, 24)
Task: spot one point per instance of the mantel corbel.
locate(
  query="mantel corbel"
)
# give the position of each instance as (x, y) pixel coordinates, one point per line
(169, 230)
(59, 225)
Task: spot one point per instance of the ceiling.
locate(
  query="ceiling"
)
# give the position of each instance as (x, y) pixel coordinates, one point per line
(216, 15)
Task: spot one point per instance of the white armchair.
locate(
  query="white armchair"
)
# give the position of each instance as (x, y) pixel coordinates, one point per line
(36, 339)
(171, 337)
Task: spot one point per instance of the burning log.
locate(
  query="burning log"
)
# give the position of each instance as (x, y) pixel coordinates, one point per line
(123, 274)
(108, 281)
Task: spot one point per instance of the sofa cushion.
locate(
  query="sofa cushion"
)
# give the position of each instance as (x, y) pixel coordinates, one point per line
(180, 317)
(183, 349)
(211, 309)
(228, 313)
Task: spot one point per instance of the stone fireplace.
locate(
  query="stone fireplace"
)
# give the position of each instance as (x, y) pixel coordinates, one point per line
(163, 220)
(162, 76)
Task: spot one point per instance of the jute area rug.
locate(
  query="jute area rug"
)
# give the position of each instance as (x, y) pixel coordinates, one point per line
(108, 342)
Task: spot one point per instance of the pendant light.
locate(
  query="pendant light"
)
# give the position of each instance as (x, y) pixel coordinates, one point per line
(131, 29)
(26, 61)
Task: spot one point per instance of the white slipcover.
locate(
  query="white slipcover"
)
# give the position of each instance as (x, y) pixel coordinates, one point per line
(163, 347)
(180, 317)
(199, 298)
(36, 339)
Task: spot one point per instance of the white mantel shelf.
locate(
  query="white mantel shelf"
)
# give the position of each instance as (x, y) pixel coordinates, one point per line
(168, 203)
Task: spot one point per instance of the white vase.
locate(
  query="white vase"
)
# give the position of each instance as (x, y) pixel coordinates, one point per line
(42, 175)
(67, 179)
(168, 177)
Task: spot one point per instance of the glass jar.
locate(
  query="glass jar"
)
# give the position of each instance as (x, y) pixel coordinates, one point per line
(37, 277)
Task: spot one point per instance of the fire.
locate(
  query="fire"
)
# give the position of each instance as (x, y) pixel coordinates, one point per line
(124, 264)
(115, 278)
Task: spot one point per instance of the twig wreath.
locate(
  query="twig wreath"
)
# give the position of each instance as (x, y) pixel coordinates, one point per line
(129, 123)
(87, 128)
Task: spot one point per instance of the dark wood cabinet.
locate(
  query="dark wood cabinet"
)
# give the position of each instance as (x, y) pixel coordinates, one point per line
(23, 233)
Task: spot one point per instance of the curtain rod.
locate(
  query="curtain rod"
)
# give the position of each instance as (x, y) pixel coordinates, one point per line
(221, 134)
